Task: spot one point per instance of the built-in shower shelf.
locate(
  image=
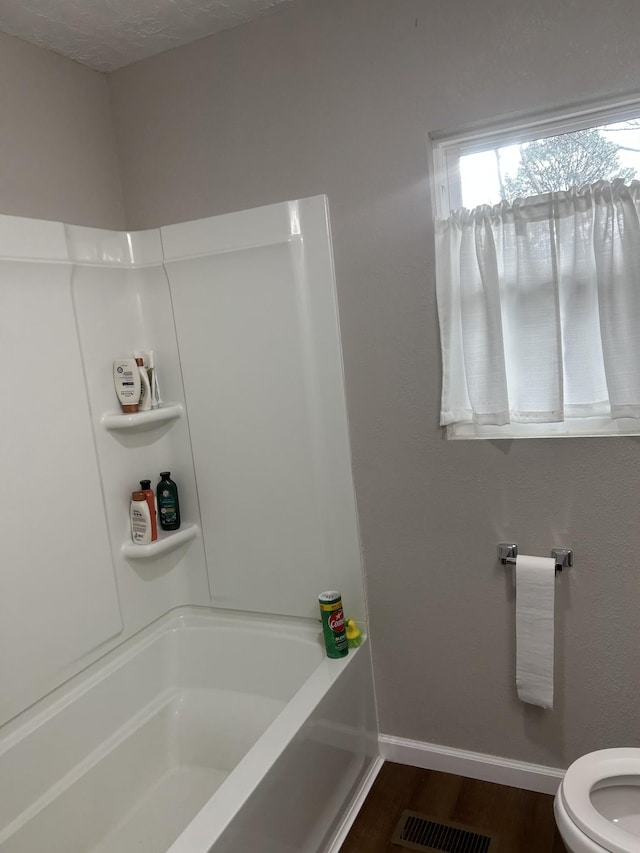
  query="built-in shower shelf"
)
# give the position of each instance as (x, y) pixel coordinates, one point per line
(164, 544)
(142, 420)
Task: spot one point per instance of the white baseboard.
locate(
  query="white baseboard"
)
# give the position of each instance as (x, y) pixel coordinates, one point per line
(475, 765)
(356, 805)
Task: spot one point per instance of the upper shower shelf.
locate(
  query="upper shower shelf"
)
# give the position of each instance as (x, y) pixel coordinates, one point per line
(142, 420)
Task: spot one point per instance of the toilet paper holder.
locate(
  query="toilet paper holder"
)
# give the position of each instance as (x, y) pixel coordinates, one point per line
(507, 553)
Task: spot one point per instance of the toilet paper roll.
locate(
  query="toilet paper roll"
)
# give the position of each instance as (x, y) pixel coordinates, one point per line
(535, 601)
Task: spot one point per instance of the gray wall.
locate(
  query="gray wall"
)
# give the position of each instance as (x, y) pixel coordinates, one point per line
(336, 97)
(57, 153)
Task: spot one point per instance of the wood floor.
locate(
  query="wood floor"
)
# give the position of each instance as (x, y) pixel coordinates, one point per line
(522, 820)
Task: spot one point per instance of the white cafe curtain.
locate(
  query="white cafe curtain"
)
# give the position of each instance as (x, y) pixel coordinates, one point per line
(539, 308)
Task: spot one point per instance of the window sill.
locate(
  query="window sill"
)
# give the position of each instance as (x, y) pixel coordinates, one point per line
(571, 428)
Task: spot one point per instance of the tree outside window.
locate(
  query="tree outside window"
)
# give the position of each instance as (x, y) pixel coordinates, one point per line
(551, 164)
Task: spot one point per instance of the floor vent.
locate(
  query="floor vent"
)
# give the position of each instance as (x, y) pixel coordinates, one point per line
(419, 832)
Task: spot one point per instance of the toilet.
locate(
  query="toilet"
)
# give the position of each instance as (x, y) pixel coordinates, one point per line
(597, 807)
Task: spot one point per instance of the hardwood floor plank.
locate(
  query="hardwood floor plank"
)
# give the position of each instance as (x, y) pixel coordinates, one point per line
(476, 805)
(393, 789)
(437, 796)
(522, 820)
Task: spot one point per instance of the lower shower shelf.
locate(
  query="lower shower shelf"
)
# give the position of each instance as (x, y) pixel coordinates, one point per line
(164, 544)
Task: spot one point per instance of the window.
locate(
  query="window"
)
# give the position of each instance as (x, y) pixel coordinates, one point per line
(538, 276)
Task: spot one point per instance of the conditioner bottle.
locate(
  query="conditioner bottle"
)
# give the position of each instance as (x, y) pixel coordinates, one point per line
(168, 505)
(140, 519)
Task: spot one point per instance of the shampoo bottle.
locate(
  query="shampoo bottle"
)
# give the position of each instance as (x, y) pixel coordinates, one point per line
(126, 378)
(168, 505)
(145, 486)
(140, 519)
(145, 387)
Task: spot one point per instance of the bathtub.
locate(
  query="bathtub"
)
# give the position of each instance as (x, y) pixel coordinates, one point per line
(207, 731)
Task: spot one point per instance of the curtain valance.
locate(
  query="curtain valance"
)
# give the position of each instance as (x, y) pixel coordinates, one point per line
(539, 308)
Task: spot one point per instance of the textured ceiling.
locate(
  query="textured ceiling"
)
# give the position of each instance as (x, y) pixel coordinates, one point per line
(108, 34)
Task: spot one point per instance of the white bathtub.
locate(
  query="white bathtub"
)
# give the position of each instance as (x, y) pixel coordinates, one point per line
(206, 731)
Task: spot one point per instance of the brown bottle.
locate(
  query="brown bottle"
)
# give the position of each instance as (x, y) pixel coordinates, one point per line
(145, 486)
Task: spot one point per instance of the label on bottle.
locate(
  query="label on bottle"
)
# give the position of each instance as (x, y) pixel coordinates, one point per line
(138, 525)
(127, 382)
(167, 507)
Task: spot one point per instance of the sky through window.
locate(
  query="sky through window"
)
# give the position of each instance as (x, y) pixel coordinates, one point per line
(488, 176)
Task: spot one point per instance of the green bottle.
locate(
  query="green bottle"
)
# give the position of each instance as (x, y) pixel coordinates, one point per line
(168, 505)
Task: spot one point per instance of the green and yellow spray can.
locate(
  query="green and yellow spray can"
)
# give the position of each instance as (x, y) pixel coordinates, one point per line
(335, 638)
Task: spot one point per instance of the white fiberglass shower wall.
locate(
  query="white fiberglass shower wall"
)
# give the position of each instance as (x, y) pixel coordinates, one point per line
(260, 352)
(240, 311)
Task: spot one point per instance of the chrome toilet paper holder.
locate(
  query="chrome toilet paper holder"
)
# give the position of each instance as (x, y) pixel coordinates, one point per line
(507, 553)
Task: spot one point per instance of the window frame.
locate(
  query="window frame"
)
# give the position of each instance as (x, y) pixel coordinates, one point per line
(446, 148)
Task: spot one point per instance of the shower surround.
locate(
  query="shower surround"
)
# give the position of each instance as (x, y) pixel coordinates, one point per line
(240, 311)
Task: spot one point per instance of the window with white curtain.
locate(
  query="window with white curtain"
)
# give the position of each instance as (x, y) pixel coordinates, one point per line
(538, 286)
